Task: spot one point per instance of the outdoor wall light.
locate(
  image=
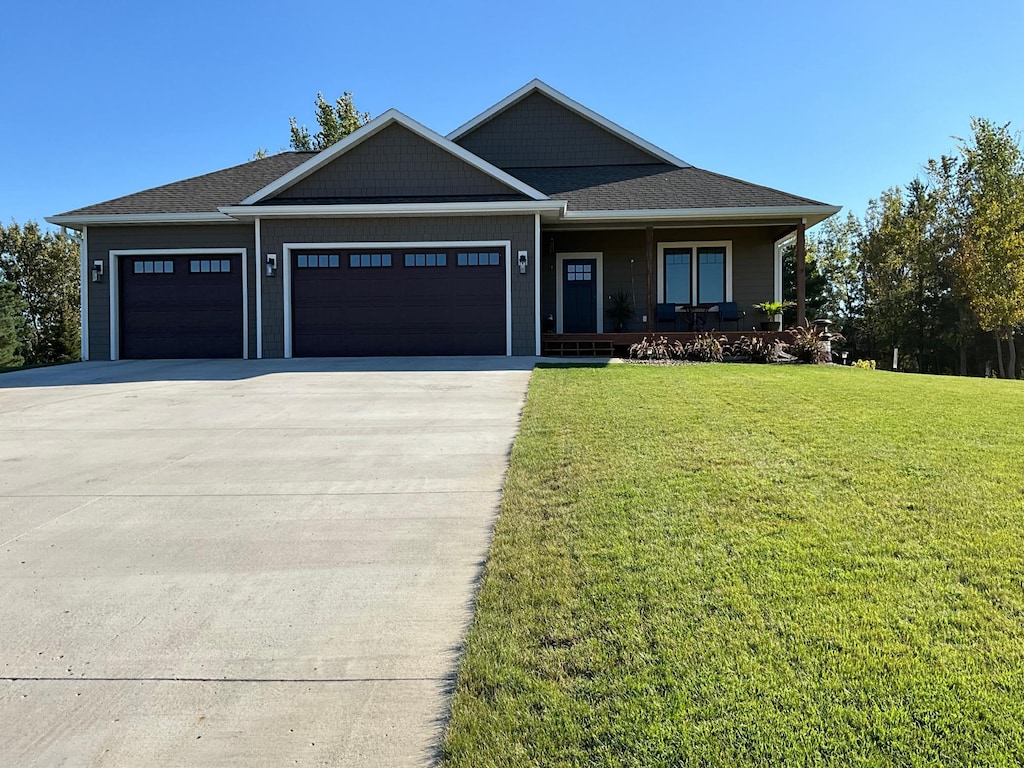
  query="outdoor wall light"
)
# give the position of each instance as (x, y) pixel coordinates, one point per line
(523, 262)
(271, 264)
(97, 271)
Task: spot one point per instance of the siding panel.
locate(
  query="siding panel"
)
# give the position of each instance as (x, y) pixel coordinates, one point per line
(396, 163)
(753, 253)
(102, 240)
(518, 229)
(538, 132)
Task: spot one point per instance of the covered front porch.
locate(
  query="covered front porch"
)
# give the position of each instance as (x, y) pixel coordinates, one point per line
(604, 287)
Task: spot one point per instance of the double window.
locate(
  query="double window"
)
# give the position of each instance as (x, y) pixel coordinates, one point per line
(694, 273)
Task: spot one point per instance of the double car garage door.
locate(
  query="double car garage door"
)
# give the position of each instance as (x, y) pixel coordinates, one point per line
(376, 301)
(398, 301)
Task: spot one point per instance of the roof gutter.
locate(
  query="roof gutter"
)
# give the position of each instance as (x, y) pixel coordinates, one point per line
(393, 209)
(813, 214)
(77, 221)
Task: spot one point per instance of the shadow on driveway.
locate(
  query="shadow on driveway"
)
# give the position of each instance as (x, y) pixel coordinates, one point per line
(129, 371)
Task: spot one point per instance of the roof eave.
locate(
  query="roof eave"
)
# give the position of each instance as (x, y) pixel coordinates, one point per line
(248, 212)
(77, 221)
(811, 214)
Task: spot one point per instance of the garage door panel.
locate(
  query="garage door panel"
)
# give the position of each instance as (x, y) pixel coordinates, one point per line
(181, 314)
(399, 310)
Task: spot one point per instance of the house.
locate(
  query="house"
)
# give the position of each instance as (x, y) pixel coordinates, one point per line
(399, 241)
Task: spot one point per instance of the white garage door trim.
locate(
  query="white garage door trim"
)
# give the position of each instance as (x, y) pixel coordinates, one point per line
(287, 249)
(115, 298)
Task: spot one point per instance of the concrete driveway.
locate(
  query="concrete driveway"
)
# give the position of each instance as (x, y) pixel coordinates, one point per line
(262, 563)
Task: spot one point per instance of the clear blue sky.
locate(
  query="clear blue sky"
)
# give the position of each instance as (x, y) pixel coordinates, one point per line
(834, 101)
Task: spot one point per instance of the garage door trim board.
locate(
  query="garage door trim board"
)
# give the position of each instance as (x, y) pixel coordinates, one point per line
(287, 249)
(115, 297)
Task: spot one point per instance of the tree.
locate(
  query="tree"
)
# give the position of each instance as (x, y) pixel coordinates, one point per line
(44, 267)
(814, 283)
(336, 122)
(12, 322)
(989, 262)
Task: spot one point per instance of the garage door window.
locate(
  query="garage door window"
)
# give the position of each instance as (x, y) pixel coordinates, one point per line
(426, 259)
(145, 267)
(321, 261)
(210, 265)
(479, 259)
(369, 260)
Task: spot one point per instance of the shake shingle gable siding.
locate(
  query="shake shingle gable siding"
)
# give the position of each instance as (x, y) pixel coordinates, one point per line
(396, 163)
(536, 132)
(652, 186)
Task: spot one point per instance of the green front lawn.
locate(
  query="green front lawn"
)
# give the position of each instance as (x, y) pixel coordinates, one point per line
(753, 565)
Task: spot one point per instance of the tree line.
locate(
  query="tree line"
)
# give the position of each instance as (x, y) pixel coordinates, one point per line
(39, 296)
(935, 268)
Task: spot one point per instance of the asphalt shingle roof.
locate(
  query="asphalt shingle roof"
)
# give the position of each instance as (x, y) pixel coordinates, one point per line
(205, 193)
(591, 188)
(656, 186)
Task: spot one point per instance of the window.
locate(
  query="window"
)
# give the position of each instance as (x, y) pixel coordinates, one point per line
(677, 275)
(426, 259)
(575, 272)
(479, 259)
(146, 267)
(695, 273)
(209, 265)
(369, 260)
(314, 260)
(711, 275)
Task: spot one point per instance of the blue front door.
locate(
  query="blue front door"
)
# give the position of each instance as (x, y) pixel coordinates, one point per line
(579, 296)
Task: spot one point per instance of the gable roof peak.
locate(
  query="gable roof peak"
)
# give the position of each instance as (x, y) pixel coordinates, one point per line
(539, 86)
(390, 117)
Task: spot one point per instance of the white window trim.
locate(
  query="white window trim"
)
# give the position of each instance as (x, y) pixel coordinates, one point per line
(695, 244)
(287, 248)
(559, 260)
(115, 351)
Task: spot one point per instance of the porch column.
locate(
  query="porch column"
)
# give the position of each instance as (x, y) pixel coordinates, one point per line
(801, 273)
(650, 280)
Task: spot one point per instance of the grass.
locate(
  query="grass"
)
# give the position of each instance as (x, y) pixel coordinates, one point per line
(729, 565)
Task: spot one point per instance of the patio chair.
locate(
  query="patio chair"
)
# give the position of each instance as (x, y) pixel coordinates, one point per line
(729, 312)
(665, 313)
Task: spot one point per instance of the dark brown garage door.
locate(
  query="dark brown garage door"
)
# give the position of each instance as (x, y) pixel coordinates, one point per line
(398, 301)
(180, 306)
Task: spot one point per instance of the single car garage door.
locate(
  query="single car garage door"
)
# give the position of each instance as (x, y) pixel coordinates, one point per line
(180, 306)
(399, 301)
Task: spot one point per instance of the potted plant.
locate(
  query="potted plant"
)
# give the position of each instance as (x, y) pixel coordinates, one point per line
(620, 309)
(771, 310)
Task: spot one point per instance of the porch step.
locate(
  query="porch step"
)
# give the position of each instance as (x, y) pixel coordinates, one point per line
(578, 348)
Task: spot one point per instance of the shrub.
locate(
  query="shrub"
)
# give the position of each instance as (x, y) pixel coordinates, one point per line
(704, 349)
(866, 364)
(756, 349)
(656, 349)
(809, 346)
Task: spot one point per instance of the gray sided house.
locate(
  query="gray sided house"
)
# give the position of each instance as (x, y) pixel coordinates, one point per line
(517, 230)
